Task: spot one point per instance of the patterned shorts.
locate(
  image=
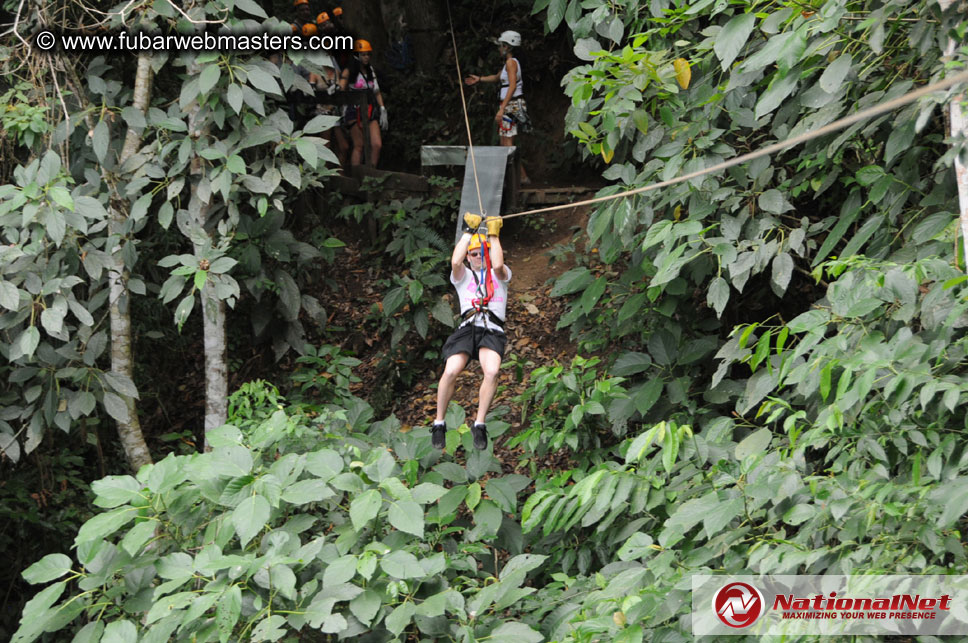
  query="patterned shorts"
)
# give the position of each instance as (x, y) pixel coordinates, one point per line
(515, 116)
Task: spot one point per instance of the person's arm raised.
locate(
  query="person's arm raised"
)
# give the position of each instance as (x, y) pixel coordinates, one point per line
(457, 259)
(496, 253)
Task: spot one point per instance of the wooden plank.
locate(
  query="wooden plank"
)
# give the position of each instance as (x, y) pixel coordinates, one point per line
(392, 180)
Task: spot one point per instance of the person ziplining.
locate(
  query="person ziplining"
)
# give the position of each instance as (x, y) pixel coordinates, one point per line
(482, 289)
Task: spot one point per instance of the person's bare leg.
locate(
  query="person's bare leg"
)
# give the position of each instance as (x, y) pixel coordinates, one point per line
(376, 143)
(491, 365)
(356, 134)
(445, 388)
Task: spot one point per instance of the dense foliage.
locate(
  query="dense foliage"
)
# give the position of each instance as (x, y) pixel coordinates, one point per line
(771, 381)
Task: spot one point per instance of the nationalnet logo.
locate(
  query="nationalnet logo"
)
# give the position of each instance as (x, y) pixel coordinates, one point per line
(738, 604)
(830, 605)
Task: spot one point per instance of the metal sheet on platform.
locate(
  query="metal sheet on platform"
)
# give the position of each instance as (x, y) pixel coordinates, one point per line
(431, 155)
(491, 163)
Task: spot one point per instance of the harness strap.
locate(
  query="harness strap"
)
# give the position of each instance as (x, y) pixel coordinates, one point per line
(470, 313)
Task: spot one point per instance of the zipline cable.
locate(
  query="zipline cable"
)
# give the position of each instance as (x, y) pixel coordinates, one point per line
(839, 124)
(467, 123)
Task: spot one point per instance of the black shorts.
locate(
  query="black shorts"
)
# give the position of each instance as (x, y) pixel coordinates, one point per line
(470, 338)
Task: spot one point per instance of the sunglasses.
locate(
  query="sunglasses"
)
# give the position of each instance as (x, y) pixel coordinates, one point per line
(476, 253)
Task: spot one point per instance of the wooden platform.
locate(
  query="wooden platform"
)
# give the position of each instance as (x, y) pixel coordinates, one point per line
(393, 182)
(546, 195)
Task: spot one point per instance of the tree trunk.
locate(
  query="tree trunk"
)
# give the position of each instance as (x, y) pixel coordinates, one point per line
(959, 129)
(213, 308)
(213, 331)
(122, 360)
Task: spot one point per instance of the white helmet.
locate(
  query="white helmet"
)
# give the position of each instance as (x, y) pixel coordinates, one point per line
(512, 38)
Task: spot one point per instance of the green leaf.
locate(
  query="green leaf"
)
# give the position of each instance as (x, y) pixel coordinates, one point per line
(250, 517)
(726, 511)
(408, 516)
(227, 612)
(90, 633)
(47, 569)
(556, 11)
(137, 536)
(9, 296)
(400, 617)
(772, 201)
(833, 76)
(341, 570)
(165, 605)
(809, 321)
(113, 491)
(209, 78)
(365, 508)
(307, 150)
(488, 518)
(592, 294)
(365, 606)
(104, 525)
(631, 363)
(115, 406)
(324, 464)
(402, 565)
(572, 281)
(731, 38)
(261, 80)
(251, 6)
(663, 347)
(234, 97)
(473, 495)
(756, 442)
(514, 632)
(782, 271)
(120, 632)
(718, 295)
(61, 197)
(451, 500)
(689, 514)
(416, 290)
(637, 546)
(843, 222)
(306, 491)
(647, 395)
(184, 309)
(100, 141)
(800, 514)
(501, 492)
(775, 94)
(235, 164)
(869, 174)
(28, 341)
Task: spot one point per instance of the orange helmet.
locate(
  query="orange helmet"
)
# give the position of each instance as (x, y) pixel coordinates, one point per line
(299, 2)
(309, 29)
(476, 242)
(338, 11)
(362, 46)
(321, 18)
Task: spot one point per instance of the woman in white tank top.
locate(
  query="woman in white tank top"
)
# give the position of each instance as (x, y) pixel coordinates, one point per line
(512, 113)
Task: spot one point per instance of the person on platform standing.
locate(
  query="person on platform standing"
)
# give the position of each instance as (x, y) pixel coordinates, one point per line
(361, 76)
(512, 112)
(483, 299)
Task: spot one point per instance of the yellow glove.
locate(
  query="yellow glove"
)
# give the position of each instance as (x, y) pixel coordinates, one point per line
(494, 224)
(471, 222)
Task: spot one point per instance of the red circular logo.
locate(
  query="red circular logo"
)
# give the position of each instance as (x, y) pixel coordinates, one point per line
(738, 604)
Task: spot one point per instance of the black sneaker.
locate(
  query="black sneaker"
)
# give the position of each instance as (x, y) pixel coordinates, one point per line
(479, 431)
(437, 435)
